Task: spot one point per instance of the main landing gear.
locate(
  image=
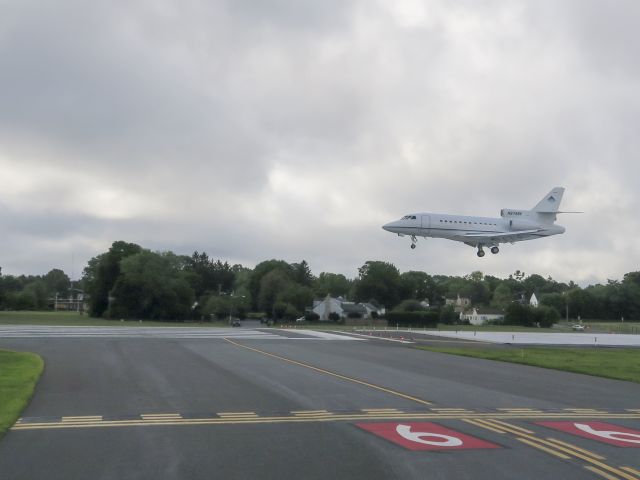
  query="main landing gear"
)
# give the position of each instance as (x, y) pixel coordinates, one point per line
(414, 240)
(494, 250)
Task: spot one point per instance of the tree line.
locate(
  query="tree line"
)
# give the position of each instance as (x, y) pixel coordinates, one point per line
(131, 282)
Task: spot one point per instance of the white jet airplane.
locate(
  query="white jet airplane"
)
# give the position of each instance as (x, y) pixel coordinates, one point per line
(479, 232)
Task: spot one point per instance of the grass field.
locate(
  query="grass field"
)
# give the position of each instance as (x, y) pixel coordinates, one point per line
(616, 363)
(614, 327)
(19, 372)
(74, 319)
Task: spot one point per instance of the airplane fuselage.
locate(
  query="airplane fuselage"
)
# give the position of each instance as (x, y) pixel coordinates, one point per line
(512, 226)
(455, 227)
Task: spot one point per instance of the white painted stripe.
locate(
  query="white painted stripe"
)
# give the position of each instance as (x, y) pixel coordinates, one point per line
(317, 334)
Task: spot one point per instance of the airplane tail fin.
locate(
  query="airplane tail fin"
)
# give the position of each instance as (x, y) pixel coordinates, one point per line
(547, 208)
(551, 201)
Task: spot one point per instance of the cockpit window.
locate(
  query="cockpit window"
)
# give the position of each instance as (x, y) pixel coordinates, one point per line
(409, 217)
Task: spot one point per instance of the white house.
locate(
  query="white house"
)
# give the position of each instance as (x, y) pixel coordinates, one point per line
(533, 301)
(460, 304)
(480, 316)
(338, 305)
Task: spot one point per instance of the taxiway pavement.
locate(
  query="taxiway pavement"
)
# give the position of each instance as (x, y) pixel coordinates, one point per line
(247, 405)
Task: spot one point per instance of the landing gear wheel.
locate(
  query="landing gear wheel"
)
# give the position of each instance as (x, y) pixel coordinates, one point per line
(481, 253)
(413, 245)
(494, 250)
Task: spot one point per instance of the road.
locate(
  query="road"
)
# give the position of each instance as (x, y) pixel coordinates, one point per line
(282, 404)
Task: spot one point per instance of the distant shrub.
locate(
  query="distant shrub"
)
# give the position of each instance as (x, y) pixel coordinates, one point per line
(311, 317)
(419, 319)
(528, 316)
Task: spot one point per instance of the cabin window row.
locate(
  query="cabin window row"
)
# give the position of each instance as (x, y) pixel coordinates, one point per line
(469, 223)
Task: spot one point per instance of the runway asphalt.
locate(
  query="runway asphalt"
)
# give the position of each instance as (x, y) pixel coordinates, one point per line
(282, 404)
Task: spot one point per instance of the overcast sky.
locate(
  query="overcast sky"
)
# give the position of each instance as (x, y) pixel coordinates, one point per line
(294, 129)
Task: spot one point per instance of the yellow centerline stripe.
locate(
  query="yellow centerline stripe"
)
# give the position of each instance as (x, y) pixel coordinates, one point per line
(327, 372)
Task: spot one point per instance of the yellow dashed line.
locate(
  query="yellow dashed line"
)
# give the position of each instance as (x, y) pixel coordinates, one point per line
(161, 415)
(327, 372)
(237, 414)
(454, 410)
(381, 410)
(94, 418)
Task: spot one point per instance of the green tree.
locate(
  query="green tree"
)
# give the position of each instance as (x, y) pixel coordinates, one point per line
(502, 296)
(272, 285)
(150, 286)
(255, 280)
(101, 274)
(334, 284)
(56, 281)
(301, 273)
(418, 285)
(380, 281)
(297, 295)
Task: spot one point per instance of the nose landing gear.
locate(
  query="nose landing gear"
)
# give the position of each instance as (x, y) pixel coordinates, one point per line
(480, 251)
(414, 240)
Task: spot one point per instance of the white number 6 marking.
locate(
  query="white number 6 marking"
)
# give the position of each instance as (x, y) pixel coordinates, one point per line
(444, 440)
(612, 435)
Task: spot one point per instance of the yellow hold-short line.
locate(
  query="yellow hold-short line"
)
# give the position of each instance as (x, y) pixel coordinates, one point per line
(577, 449)
(602, 473)
(544, 449)
(631, 470)
(500, 423)
(478, 423)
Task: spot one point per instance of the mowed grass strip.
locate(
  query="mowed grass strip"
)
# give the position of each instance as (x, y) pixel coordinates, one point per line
(616, 363)
(19, 372)
(74, 319)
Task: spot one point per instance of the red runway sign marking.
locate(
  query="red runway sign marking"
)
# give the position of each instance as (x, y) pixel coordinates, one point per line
(599, 431)
(425, 436)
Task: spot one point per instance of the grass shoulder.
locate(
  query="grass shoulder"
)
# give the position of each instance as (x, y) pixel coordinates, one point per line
(615, 363)
(19, 373)
(74, 319)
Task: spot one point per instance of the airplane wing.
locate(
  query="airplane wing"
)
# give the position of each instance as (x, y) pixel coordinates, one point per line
(474, 239)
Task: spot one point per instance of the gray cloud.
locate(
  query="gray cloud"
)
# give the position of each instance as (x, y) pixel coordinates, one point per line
(294, 130)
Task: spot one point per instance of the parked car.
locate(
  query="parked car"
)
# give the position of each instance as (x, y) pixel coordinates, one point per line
(236, 324)
(577, 328)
